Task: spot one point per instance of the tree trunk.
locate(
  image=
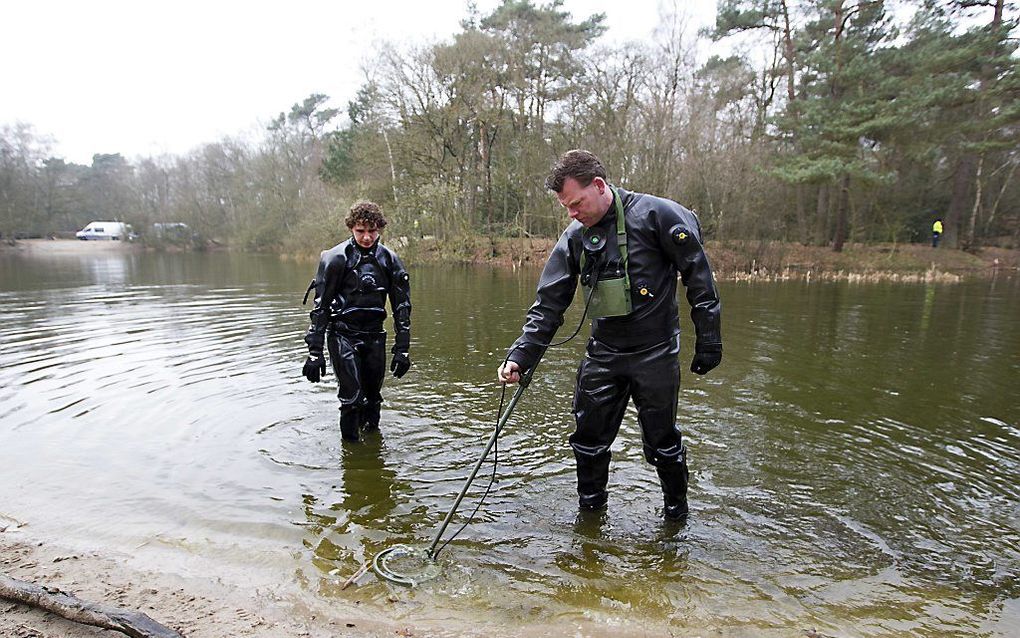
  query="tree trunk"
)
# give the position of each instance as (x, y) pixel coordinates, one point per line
(802, 224)
(393, 168)
(842, 204)
(998, 199)
(132, 623)
(789, 54)
(968, 242)
(966, 167)
(822, 214)
(958, 202)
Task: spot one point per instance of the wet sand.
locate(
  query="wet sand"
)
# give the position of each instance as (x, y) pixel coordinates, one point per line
(213, 607)
(196, 608)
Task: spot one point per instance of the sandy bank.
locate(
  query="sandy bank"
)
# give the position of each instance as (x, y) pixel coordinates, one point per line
(216, 608)
(197, 608)
(69, 247)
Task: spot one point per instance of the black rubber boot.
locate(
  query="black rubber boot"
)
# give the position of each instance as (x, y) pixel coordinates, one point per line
(673, 479)
(372, 416)
(592, 478)
(350, 420)
(593, 502)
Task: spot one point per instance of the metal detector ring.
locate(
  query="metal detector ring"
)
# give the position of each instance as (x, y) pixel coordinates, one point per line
(382, 569)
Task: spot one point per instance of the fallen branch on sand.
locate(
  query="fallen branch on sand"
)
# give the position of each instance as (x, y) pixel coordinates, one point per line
(133, 623)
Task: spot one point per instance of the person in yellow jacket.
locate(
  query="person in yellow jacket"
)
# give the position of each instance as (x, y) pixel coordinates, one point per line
(936, 232)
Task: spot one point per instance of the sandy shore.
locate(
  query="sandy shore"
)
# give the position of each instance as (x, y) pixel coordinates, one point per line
(70, 247)
(216, 608)
(197, 608)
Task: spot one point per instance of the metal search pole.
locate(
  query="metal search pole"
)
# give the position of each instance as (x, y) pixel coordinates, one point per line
(522, 384)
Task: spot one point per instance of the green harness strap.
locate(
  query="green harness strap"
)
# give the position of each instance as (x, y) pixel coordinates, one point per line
(621, 237)
(603, 299)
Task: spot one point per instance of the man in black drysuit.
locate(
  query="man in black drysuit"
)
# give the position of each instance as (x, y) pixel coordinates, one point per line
(635, 353)
(351, 286)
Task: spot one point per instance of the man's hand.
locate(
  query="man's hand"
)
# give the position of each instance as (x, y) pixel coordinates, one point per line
(705, 361)
(509, 372)
(400, 364)
(315, 367)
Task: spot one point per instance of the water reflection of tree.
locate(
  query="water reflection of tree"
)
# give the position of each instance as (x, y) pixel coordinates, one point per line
(347, 532)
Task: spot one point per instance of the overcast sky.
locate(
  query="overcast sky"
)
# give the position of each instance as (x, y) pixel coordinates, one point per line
(159, 76)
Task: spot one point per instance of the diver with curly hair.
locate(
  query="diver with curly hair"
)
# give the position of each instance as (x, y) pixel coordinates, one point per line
(352, 283)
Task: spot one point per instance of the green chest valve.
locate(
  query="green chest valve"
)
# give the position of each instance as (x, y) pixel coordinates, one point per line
(611, 297)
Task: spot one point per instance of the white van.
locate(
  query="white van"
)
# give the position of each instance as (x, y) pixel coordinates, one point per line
(104, 230)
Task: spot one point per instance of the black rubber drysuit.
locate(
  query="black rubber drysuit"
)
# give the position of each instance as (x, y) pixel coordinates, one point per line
(351, 287)
(635, 355)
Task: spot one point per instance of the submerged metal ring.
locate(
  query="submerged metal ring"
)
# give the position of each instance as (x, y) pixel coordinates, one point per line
(380, 567)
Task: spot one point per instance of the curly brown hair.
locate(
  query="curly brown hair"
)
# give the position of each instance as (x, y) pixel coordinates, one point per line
(367, 213)
(582, 165)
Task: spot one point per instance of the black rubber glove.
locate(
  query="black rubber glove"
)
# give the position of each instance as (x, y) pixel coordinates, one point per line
(400, 364)
(315, 367)
(706, 358)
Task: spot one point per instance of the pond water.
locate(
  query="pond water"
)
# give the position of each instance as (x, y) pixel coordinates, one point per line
(855, 460)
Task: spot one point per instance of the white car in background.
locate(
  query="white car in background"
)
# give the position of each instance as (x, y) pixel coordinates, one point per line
(105, 230)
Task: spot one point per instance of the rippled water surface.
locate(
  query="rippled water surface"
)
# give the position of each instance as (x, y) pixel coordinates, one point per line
(855, 460)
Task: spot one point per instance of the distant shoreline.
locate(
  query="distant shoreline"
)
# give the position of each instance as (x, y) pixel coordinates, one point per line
(745, 260)
(70, 246)
(734, 260)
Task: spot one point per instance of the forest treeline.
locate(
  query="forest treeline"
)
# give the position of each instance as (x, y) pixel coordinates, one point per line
(836, 121)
